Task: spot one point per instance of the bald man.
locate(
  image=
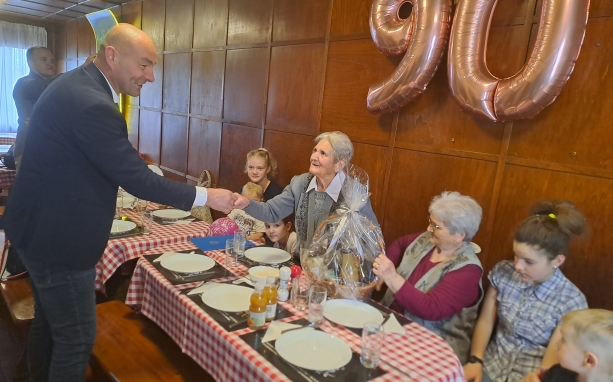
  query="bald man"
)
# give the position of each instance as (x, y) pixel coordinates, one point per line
(61, 207)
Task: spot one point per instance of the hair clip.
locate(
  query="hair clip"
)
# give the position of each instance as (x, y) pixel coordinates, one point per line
(553, 216)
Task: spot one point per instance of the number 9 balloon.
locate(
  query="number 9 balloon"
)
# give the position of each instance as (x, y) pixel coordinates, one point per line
(538, 83)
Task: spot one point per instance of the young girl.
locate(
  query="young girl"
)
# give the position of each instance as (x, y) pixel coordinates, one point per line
(280, 233)
(528, 298)
(259, 166)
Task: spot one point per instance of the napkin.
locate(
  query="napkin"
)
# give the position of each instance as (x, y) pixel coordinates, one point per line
(243, 280)
(275, 329)
(393, 326)
(204, 288)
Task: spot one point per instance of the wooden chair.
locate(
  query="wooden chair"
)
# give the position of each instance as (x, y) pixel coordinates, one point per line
(19, 300)
(129, 347)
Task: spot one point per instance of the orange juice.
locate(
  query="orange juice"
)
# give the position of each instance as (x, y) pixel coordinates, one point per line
(270, 291)
(257, 308)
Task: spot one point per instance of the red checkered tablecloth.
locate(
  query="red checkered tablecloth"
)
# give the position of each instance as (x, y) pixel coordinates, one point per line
(120, 250)
(7, 178)
(418, 355)
(7, 138)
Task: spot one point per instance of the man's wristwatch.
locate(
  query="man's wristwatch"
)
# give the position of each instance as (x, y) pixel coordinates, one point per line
(475, 359)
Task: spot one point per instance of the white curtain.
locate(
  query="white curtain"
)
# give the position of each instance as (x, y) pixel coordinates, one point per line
(15, 39)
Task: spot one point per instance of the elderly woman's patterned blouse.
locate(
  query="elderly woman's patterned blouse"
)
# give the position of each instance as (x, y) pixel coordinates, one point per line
(527, 317)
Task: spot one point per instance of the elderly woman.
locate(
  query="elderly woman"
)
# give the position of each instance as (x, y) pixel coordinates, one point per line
(313, 196)
(434, 277)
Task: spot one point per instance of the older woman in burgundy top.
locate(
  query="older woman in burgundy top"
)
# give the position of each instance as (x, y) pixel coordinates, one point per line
(434, 277)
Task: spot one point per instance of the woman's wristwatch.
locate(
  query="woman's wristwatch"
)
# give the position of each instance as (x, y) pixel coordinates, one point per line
(475, 359)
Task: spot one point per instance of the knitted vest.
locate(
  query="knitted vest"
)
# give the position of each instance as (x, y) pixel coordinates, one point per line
(457, 330)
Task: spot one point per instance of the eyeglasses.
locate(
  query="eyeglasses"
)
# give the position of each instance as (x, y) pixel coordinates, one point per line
(437, 227)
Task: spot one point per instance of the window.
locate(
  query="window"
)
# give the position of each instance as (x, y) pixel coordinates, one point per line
(15, 39)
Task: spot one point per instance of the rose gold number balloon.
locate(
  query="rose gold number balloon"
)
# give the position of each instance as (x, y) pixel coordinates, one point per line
(423, 36)
(538, 83)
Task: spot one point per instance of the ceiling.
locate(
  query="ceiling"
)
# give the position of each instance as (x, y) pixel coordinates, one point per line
(55, 9)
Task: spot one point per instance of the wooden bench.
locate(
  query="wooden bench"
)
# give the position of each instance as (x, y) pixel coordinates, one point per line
(19, 300)
(129, 347)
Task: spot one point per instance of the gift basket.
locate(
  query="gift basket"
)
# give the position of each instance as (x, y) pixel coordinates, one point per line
(346, 244)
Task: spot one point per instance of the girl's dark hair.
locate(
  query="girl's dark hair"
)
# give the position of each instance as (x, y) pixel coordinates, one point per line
(550, 226)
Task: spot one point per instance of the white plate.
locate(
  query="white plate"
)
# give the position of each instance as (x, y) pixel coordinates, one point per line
(261, 272)
(267, 255)
(187, 263)
(128, 201)
(122, 226)
(313, 350)
(228, 298)
(351, 313)
(170, 214)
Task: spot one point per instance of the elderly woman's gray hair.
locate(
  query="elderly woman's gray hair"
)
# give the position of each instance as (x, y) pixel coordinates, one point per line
(459, 213)
(342, 148)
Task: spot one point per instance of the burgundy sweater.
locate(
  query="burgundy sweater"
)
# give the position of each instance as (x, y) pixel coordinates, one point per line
(456, 290)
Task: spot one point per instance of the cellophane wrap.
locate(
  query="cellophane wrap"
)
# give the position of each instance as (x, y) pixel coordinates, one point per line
(346, 244)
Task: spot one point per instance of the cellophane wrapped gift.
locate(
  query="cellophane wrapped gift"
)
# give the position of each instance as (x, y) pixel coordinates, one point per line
(346, 244)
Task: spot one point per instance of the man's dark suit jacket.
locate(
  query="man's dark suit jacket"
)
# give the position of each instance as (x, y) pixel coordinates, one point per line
(77, 154)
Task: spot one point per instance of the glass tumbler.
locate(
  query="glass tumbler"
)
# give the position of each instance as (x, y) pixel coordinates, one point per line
(231, 259)
(239, 243)
(372, 341)
(317, 299)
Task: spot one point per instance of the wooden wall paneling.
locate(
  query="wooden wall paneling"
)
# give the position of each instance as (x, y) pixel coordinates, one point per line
(174, 142)
(245, 85)
(434, 119)
(512, 12)
(298, 20)
(590, 256)
(579, 118)
(350, 19)
(132, 120)
(153, 22)
(132, 13)
(60, 66)
(71, 40)
(416, 177)
(150, 135)
(179, 25)
(71, 64)
(210, 23)
(207, 83)
(84, 37)
(601, 8)
(249, 21)
(59, 43)
(173, 175)
(352, 67)
(177, 78)
(204, 148)
(292, 152)
(151, 93)
(236, 142)
(294, 86)
(373, 159)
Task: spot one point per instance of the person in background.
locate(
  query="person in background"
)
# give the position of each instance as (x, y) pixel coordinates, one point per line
(280, 233)
(586, 348)
(434, 277)
(252, 228)
(28, 89)
(59, 212)
(527, 298)
(260, 167)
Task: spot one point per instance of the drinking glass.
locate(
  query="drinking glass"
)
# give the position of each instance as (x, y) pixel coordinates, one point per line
(317, 299)
(119, 205)
(147, 222)
(239, 243)
(231, 259)
(372, 340)
(300, 293)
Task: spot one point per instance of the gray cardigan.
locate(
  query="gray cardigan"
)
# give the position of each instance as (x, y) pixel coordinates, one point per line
(289, 201)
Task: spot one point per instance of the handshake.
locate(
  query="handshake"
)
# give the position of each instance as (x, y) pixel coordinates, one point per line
(225, 200)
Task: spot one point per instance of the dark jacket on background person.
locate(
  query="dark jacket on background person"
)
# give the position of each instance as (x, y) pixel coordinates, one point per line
(77, 154)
